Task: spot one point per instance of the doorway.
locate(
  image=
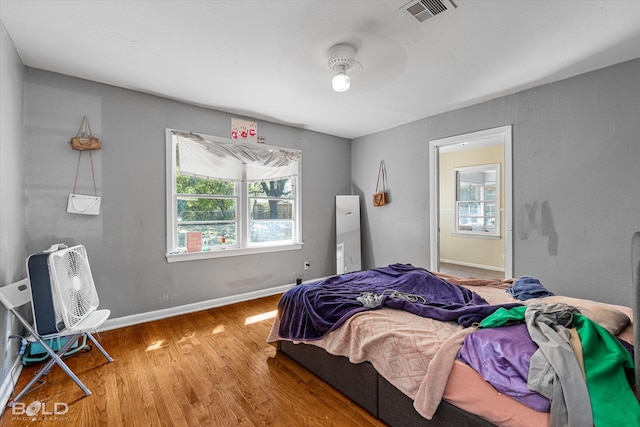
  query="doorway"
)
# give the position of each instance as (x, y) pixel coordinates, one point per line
(500, 137)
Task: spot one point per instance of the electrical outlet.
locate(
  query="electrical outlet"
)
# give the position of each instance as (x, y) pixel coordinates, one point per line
(307, 264)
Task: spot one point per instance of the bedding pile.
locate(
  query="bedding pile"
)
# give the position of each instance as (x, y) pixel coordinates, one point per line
(563, 356)
(420, 332)
(310, 311)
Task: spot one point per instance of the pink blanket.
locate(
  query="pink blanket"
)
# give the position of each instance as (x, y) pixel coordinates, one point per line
(398, 344)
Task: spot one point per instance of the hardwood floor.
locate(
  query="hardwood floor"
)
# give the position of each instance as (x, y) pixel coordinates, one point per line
(210, 368)
(466, 272)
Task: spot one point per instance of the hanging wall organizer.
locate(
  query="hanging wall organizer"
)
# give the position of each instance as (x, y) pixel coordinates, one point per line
(80, 203)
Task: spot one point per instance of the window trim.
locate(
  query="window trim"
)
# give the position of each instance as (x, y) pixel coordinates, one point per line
(243, 208)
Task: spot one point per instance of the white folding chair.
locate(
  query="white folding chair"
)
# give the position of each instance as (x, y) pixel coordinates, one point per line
(18, 294)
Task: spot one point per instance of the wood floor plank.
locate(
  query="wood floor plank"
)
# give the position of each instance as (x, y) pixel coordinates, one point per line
(209, 368)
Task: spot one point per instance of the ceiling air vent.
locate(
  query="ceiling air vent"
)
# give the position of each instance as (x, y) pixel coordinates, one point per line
(421, 10)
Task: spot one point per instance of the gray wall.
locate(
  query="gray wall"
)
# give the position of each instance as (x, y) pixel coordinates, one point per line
(126, 243)
(12, 211)
(576, 148)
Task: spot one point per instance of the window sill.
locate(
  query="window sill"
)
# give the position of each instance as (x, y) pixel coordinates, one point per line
(223, 253)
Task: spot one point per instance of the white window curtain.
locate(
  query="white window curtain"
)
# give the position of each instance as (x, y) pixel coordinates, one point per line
(229, 160)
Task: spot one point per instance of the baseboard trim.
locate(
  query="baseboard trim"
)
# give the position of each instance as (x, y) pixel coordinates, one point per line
(150, 316)
(9, 383)
(470, 264)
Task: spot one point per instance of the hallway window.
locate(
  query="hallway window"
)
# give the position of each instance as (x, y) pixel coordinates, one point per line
(477, 200)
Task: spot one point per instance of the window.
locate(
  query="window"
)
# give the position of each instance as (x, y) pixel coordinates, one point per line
(477, 200)
(229, 198)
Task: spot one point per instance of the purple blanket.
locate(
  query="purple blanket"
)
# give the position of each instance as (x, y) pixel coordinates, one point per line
(308, 312)
(502, 356)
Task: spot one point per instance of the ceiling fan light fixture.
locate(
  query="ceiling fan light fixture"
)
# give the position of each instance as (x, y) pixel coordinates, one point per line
(341, 82)
(342, 62)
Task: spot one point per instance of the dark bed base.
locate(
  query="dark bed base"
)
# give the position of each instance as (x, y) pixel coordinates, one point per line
(362, 384)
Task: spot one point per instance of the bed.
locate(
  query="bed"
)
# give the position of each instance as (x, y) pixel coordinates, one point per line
(403, 354)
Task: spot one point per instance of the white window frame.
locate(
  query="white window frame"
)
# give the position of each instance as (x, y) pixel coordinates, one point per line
(243, 211)
(495, 234)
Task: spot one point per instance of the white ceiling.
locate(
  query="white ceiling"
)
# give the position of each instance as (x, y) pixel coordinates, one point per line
(267, 59)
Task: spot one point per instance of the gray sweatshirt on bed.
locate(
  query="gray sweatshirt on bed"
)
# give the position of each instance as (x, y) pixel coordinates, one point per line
(554, 371)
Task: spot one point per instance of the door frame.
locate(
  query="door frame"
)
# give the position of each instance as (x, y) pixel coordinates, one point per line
(469, 141)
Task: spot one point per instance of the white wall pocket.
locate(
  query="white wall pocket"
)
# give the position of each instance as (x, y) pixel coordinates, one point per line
(83, 204)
